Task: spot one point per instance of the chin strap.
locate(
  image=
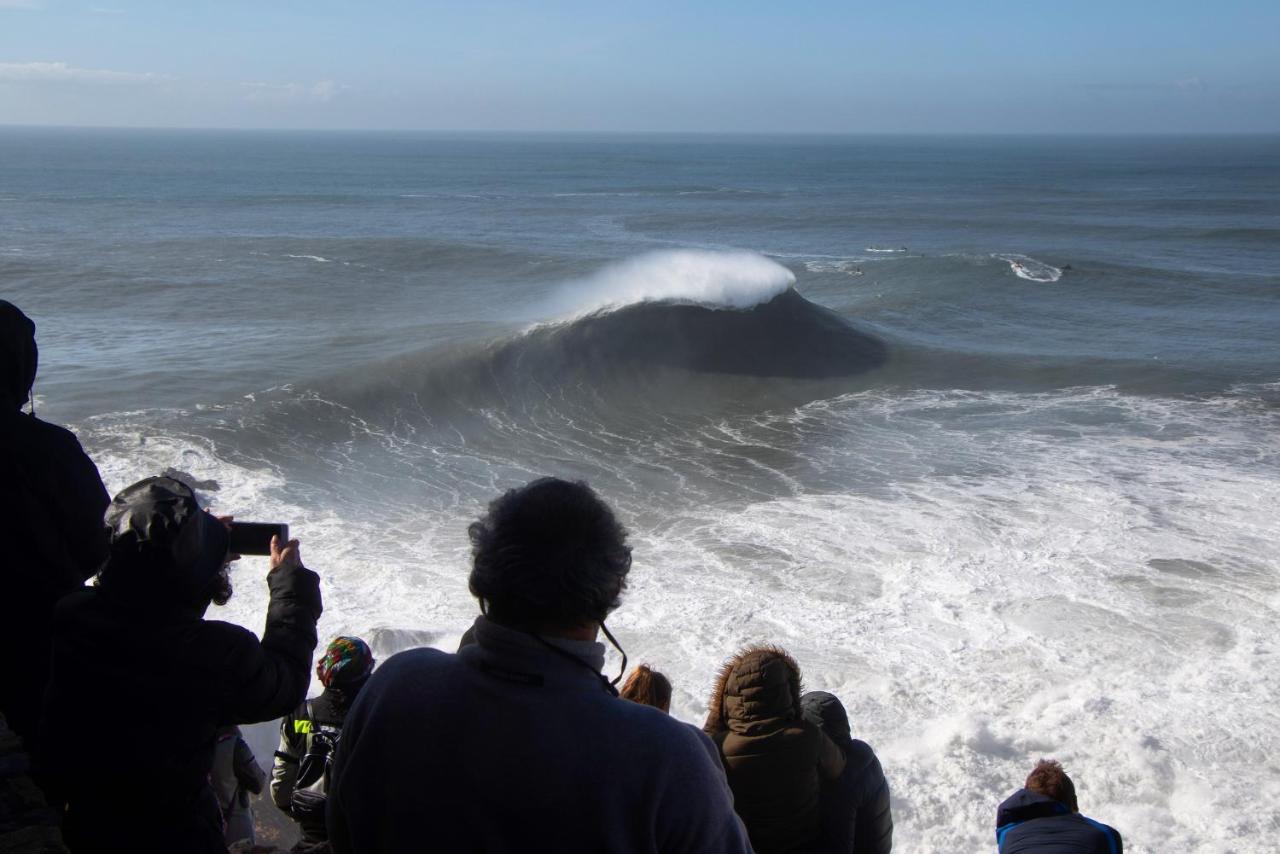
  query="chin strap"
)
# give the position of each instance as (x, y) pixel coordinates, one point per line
(622, 671)
(604, 680)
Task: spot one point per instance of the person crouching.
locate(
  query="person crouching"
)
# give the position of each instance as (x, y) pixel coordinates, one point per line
(1043, 817)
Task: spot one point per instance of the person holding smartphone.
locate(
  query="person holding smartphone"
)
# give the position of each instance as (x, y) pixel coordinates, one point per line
(142, 682)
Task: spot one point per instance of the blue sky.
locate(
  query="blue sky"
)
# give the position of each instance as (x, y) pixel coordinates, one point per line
(712, 66)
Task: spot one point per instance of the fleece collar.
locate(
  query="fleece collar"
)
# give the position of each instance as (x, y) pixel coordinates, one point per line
(520, 657)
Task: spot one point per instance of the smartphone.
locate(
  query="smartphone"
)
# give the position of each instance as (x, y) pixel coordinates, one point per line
(254, 538)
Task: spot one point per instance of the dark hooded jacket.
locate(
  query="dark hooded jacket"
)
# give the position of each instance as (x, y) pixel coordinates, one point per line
(856, 814)
(141, 682)
(51, 504)
(515, 744)
(775, 759)
(1031, 823)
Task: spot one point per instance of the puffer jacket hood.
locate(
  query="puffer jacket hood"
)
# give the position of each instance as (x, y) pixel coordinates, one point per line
(1024, 805)
(163, 545)
(19, 356)
(756, 692)
(826, 712)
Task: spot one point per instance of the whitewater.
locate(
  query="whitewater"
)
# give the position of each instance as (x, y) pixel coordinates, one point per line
(1001, 514)
(1091, 583)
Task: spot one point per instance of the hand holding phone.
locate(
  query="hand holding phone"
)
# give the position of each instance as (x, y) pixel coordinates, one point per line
(285, 552)
(254, 538)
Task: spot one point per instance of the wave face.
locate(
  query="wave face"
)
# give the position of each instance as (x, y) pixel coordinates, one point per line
(786, 336)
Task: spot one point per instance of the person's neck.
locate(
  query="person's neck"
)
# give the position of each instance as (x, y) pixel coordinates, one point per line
(585, 632)
(588, 632)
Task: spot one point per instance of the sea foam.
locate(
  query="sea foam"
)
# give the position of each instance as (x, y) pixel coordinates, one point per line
(1026, 267)
(734, 279)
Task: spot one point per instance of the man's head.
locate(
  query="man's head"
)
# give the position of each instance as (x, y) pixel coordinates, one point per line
(1048, 779)
(164, 546)
(549, 557)
(18, 356)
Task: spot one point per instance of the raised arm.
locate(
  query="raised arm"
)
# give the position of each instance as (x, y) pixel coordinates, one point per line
(269, 679)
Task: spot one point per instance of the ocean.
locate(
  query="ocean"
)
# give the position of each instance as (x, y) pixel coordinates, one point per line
(984, 430)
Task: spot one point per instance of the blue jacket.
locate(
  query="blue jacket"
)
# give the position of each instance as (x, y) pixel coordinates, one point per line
(514, 746)
(1030, 823)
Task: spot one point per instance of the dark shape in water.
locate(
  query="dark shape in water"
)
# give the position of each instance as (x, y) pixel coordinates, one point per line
(786, 337)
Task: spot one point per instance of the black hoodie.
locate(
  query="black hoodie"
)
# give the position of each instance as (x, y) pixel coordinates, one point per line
(51, 505)
(1031, 823)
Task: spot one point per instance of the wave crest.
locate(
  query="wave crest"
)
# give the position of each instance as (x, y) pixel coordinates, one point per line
(716, 279)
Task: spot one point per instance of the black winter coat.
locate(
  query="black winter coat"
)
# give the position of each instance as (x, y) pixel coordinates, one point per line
(51, 506)
(856, 813)
(1031, 823)
(139, 689)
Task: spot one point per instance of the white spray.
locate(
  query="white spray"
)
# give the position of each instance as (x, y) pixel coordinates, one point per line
(737, 279)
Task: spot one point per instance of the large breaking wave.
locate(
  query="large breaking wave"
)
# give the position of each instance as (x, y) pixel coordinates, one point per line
(645, 328)
(786, 336)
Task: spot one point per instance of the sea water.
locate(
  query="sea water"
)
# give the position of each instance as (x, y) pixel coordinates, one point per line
(985, 431)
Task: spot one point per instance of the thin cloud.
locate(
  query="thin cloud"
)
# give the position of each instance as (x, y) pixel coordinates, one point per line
(21, 4)
(61, 72)
(320, 93)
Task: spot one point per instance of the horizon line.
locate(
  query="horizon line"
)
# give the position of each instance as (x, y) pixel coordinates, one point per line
(615, 132)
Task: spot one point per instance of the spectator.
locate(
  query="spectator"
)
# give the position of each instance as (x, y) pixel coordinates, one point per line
(856, 815)
(775, 759)
(648, 687)
(518, 742)
(300, 776)
(1043, 817)
(51, 504)
(141, 682)
(236, 775)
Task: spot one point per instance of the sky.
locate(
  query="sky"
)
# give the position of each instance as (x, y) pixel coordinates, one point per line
(720, 66)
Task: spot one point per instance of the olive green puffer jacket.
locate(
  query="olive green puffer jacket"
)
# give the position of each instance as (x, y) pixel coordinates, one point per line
(774, 758)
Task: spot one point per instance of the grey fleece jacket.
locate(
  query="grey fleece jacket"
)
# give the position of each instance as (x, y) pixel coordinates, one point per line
(511, 746)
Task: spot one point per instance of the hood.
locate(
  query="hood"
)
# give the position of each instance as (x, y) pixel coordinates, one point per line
(1024, 805)
(18, 356)
(162, 544)
(827, 713)
(756, 692)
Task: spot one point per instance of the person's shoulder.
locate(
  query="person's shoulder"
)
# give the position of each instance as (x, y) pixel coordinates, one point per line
(661, 731)
(75, 602)
(220, 633)
(411, 671)
(1103, 831)
(419, 658)
(51, 435)
(859, 754)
